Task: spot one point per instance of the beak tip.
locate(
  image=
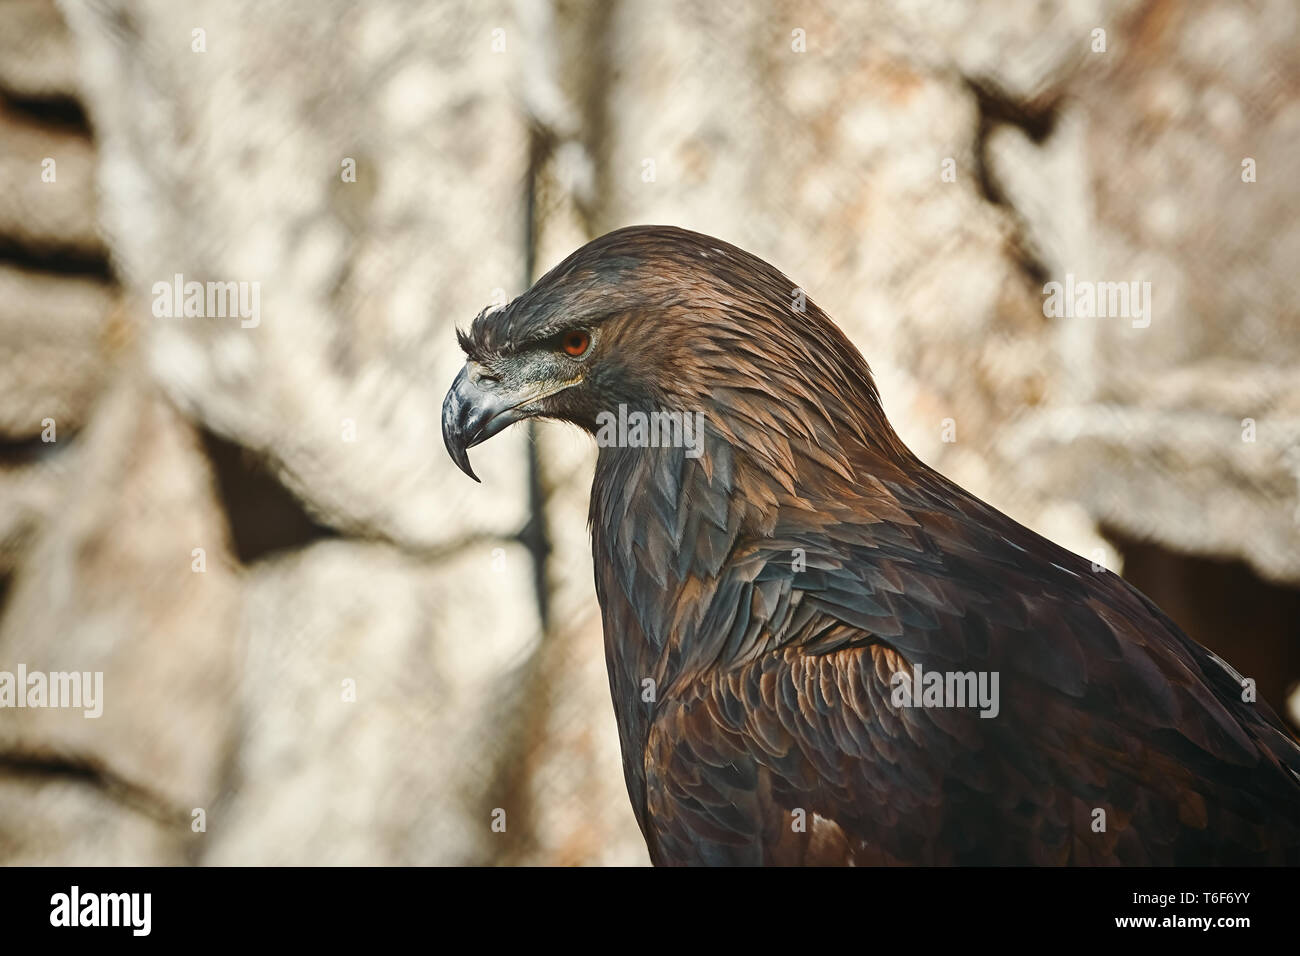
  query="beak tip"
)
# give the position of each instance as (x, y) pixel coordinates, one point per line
(453, 427)
(462, 462)
(460, 456)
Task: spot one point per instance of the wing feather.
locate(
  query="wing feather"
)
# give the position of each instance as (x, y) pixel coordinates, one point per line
(1105, 707)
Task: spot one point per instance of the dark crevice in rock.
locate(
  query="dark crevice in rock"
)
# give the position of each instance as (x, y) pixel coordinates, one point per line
(263, 516)
(64, 260)
(61, 115)
(63, 112)
(1036, 120)
(16, 452)
(67, 767)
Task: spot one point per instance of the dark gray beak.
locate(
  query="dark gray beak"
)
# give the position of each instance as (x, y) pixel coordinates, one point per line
(474, 410)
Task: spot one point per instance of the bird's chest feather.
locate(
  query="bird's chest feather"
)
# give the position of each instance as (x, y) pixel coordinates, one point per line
(663, 527)
(676, 556)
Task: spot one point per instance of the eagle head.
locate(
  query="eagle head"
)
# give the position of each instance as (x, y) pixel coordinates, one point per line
(652, 319)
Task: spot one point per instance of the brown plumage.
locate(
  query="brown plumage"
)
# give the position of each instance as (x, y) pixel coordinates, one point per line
(758, 601)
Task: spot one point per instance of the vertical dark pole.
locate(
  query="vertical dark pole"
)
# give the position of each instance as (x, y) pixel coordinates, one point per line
(533, 534)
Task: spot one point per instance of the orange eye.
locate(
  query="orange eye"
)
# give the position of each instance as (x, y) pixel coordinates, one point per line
(576, 342)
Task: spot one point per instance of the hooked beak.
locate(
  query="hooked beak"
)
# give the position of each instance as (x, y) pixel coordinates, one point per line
(473, 412)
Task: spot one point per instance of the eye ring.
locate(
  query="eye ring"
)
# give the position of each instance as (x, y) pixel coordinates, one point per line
(576, 342)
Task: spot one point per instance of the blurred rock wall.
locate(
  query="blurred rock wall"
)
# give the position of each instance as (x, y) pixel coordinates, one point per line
(313, 628)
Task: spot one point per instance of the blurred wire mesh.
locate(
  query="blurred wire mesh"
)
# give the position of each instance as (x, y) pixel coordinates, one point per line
(321, 644)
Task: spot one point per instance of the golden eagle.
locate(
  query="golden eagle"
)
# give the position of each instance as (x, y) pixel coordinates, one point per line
(821, 651)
